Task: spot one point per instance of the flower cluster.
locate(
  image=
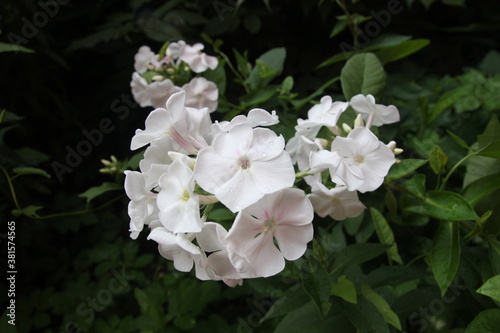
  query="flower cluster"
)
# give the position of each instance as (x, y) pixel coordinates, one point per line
(356, 160)
(192, 164)
(158, 76)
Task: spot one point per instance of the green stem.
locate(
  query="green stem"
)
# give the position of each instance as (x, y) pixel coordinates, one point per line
(11, 186)
(452, 170)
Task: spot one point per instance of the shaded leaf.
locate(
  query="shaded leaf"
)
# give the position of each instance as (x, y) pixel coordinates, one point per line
(491, 288)
(487, 321)
(404, 168)
(382, 306)
(31, 171)
(400, 51)
(385, 235)
(481, 188)
(489, 141)
(318, 286)
(445, 254)
(96, 191)
(345, 289)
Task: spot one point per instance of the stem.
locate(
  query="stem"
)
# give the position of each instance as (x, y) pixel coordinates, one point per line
(452, 170)
(12, 191)
(235, 72)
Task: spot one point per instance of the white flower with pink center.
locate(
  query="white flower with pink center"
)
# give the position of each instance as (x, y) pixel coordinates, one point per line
(284, 216)
(244, 164)
(338, 202)
(201, 93)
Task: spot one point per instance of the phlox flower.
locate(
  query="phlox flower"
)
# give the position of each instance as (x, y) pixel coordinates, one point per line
(378, 113)
(142, 58)
(139, 87)
(197, 60)
(179, 207)
(286, 216)
(186, 126)
(212, 239)
(201, 93)
(338, 202)
(159, 92)
(327, 112)
(139, 187)
(244, 164)
(360, 161)
(180, 249)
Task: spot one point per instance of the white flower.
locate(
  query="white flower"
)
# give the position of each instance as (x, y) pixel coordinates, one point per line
(201, 93)
(285, 216)
(179, 207)
(160, 92)
(326, 113)
(139, 187)
(157, 153)
(197, 60)
(381, 114)
(360, 161)
(142, 58)
(339, 203)
(212, 239)
(139, 87)
(186, 126)
(174, 50)
(243, 164)
(178, 248)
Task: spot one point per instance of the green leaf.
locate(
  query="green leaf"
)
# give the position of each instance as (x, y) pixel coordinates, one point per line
(404, 168)
(336, 58)
(365, 317)
(481, 188)
(489, 141)
(400, 51)
(244, 67)
(259, 96)
(96, 191)
(415, 185)
(446, 205)
(382, 306)
(31, 171)
(300, 103)
(318, 286)
(447, 100)
(338, 28)
(30, 211)
(273, 61)
(345, 289)
(438, 159)
(385, 235)
(491, 288)
(487, 321)
(445, 254)
(386, 41)
(362, 74)
(292, 299)
(356, 254)
(458, 140)
(142, 299)
(5, 47)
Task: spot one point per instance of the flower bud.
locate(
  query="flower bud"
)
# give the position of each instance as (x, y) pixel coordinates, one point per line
(359, 122)
(398, 151)
(392, 145)
(335, 130)
(346, 128)
(157, 78)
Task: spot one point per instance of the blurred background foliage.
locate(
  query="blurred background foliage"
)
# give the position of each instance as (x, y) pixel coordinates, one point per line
(69, 249)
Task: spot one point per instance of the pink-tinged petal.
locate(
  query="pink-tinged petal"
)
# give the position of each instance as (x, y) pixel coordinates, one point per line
(266, 144)
(245, 228)
(263, 255)
(221, 265)
(242, 266)
(291, 207)
(183, 261)
(292, 239)
(273, 175)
